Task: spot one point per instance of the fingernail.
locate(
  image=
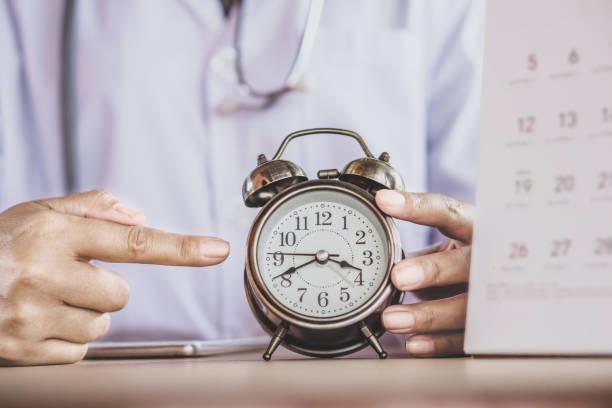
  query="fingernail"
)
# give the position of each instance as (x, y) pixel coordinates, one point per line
(214, 248)
(391, 198)
(398, 320)
(419, 346)
(408, 275)
(129, 211)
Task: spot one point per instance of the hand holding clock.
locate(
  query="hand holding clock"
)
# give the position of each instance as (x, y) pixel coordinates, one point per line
(439, 278)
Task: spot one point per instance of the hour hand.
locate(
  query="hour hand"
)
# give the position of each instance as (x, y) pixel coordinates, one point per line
(293, 269)
(344, 264)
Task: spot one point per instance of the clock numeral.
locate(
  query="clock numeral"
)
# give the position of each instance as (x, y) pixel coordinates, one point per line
(322, 299)
(299, 223)
(279, 258)
(286, 280)
(359, 279)
(344, 295)
(323, 218)
(367, 258)
(360, 237)
(344, 227)
(303, 290)
(287, 238)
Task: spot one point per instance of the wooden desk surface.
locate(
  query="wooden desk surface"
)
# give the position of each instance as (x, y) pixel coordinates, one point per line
(245, 380)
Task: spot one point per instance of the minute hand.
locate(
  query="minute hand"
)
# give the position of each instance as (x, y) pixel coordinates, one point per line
(344, 264)
(293, 269)
(296, 254)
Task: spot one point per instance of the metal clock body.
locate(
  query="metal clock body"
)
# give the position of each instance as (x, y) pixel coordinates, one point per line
(320, 254)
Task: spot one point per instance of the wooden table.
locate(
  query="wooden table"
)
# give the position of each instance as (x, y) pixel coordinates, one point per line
(245, 380)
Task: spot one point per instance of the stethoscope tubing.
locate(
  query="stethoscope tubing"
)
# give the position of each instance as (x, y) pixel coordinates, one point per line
(66, 95)
(67, 108)
(298, 66)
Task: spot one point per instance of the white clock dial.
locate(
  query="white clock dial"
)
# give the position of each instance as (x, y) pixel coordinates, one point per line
(323, 253)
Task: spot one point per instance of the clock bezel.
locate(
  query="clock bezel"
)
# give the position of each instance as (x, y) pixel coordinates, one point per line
(381, 294)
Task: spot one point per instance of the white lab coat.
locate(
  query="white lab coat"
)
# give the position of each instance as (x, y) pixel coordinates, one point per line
(405, 74)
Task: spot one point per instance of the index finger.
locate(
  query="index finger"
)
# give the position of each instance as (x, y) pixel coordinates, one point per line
(111, 242)
(454, 218)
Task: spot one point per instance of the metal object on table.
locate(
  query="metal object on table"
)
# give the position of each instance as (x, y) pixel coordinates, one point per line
(275, 183)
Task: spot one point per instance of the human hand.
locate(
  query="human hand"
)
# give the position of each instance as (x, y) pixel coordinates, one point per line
(439, 277)
(53, 300)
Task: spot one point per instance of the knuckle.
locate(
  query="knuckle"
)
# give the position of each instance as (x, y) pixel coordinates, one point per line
(450, 345)
(416, 201)
(9, 348)
(16, 352)
(458, 217)
(25, 280)
(103, 198)
(16, 320)
(443, 345)
(28, 277)
(11, 323)
(454, 207)
(39, 224)
(36, 232)
(425, 318)
(187, 247)
(138, 240)
(433, 270)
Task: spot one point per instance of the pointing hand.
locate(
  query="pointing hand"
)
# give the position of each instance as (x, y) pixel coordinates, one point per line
(53, 300)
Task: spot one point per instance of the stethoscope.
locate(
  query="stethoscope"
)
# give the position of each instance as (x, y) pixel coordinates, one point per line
(254, 99)
(295, 76)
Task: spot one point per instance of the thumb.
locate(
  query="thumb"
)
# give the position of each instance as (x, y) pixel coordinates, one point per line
(451, 217)
(99, 204)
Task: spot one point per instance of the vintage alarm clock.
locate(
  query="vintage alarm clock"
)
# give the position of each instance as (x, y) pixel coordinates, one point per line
(320, 253)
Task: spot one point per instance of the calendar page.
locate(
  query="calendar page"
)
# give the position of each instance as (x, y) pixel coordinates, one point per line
(541, 274)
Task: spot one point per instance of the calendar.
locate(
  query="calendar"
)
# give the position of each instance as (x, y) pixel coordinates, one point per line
(541, 272)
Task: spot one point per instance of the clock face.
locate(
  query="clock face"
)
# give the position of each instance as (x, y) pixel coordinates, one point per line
(323, 253)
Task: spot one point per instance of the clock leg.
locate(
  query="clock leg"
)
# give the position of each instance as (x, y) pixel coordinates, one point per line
(373, 340)
(277, 339)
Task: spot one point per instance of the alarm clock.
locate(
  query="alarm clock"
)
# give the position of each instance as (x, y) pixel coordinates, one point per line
(320, 252)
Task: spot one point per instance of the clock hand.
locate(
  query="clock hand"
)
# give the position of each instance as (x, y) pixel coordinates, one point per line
(344, 264)
(294, 268)
(298, 254)
(343, 277)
